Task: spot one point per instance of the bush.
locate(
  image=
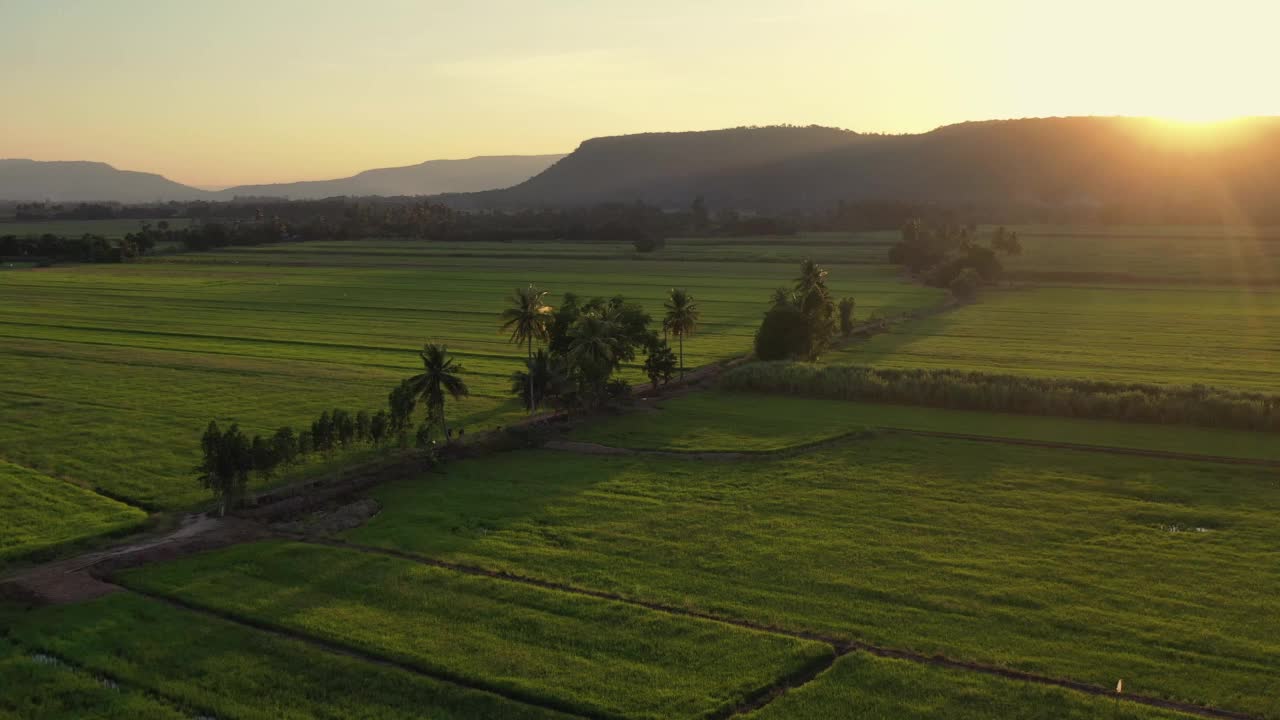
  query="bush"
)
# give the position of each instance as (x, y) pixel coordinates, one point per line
(965, 285)
(783, 335)
(1135, 402)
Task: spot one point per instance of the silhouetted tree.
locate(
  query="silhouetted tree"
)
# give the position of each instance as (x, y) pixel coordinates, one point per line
(527, 320)
(440, 377)
(681, 318)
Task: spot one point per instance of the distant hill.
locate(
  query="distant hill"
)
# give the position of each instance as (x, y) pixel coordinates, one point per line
(31, 180)
(77, 181)
(1052, 161)
(429, 178)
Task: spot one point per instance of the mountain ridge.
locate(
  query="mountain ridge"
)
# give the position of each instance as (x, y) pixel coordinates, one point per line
(27, 180)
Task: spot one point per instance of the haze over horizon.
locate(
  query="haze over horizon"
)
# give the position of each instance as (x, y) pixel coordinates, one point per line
(231, 93)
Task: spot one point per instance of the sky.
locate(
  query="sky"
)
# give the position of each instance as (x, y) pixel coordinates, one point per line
(221, 92)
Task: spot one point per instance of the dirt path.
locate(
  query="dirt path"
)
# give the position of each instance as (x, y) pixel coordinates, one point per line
(76, 579)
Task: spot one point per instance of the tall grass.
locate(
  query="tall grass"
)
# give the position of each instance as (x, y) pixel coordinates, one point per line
(967, 390)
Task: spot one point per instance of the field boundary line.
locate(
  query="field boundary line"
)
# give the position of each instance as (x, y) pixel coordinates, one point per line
(841, 647)
(339, 648)
(1086, 447)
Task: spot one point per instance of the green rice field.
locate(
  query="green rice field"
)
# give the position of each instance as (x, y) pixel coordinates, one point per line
(226, 670)
(1225, 337)
(121, 367)
(584, 655)
(1081, 565)
(748, 422)
(39, 513)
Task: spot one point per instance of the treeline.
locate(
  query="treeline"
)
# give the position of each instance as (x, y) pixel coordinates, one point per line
(231, 458)
(581, 346)
(86, 248)
(97, 211)
(962, 390)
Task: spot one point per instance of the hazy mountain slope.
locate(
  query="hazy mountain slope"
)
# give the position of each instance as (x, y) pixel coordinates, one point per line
(1051, 160)
(429, 178)
(76, 181)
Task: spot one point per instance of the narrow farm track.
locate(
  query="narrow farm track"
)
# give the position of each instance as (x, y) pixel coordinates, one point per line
(352, 652)
(841, 647)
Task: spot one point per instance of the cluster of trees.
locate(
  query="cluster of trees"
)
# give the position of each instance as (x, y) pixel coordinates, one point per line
(1136, 402)
(86, 248)
(230, 457)
(583, 345)
(802, 321)
(948, 255)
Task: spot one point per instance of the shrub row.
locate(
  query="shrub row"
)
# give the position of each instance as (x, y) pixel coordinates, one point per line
(962, 390)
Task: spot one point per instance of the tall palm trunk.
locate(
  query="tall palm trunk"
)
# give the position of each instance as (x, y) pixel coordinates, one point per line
(444, 422)
(533, 402)
(681, 336)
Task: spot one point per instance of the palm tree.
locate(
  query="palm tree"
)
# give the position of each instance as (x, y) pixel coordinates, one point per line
(439, 377)
(541, 378)
(682, 318)
(527, 319)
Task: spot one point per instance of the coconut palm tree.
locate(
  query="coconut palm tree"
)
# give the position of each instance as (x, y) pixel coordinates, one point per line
(527, 320)
(682, 318)
(439, 377)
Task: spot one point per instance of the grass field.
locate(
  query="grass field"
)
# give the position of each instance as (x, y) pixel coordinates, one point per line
(863, 686)
(1087, 566)
(76, 228)
(39, 513)
(582, 654)
(227, 671)
(748, 422)
(1182, 254)
(1227, 337)
(32, 689)
(121, 367)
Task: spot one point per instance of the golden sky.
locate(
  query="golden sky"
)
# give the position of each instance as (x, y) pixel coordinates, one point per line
(220, 92)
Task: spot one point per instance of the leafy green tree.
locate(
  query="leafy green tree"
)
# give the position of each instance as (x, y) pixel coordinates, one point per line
(440, 378)
(846, 316)
(285, 445)
(966, 283)
(801, 321)
(783, 334)
(527, 320)
(263, 455)
(541, 380)
(227, 462)
(379, 427)
(660, 364)
(681, 318)
(402, 402)
(363, 426)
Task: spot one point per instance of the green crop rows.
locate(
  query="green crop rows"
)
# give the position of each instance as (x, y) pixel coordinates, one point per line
(1080, 565)
(746, 422)
(39, 513)
(582, 654)
(1227, 337)
(118, 369)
